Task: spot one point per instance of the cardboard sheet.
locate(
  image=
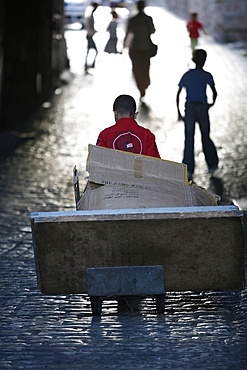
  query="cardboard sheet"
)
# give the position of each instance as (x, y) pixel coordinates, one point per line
(119, 179)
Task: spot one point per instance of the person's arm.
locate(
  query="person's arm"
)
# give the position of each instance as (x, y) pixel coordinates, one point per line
(180, 117)
(188, 26)
(152, 149)
(151, 27)
(156, 151)
(128, 35)
(214, 95)
(203, 29)
(101, 141)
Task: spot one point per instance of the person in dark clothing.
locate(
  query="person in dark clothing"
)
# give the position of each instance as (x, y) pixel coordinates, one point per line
(89, 25)
(195, 82)
(111, 45)
(137, 39)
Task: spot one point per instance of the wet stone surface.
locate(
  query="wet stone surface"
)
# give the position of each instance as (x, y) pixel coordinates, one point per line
(204, 330)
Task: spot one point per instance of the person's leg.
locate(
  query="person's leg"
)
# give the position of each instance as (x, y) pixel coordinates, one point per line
(208, 146)
(140, 67)
(193, 43)
(189, 133)
(90, 46)
(86, 65)
(94, 47)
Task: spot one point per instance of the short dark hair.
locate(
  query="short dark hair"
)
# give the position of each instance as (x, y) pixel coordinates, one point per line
(199, 56)
(125, 104)
(140, 5)
(94, 5)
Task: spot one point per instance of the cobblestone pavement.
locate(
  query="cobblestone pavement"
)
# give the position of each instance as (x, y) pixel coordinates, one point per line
(198, 331)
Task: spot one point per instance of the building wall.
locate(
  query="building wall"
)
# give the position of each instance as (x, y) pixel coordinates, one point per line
(29, 68)
(225, 20)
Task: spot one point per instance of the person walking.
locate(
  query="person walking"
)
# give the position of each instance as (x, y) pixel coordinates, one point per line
(111, 45)
(89, 25)
(126, 134)
(193, 27)
(137, 39)
(195, 82)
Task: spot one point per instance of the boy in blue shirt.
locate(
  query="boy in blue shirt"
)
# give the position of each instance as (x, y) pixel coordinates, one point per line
(195, 82)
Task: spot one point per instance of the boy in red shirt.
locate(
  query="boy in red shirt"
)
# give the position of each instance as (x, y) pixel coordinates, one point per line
(126, 134)
(193, 27)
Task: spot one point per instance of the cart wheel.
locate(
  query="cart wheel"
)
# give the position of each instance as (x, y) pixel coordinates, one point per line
(96, 305)
(160, 304)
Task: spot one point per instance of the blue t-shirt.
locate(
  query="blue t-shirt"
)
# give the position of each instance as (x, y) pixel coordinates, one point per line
(195, 82)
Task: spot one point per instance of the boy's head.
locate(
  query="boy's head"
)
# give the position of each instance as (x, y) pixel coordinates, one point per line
(140, 5)
(199, 57)
(94, 6)
(193, 16)
(124, 106)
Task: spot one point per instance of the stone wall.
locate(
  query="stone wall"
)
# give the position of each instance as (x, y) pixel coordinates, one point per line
(225, 20)
(32, 56)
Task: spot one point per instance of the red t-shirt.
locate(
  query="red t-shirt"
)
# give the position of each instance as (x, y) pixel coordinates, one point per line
(128, 136)
(193, 27)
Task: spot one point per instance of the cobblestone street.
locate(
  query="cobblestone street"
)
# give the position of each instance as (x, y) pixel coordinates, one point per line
(204, 330)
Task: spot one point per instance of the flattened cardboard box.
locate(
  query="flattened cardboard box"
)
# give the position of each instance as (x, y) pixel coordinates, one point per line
(119, 179)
